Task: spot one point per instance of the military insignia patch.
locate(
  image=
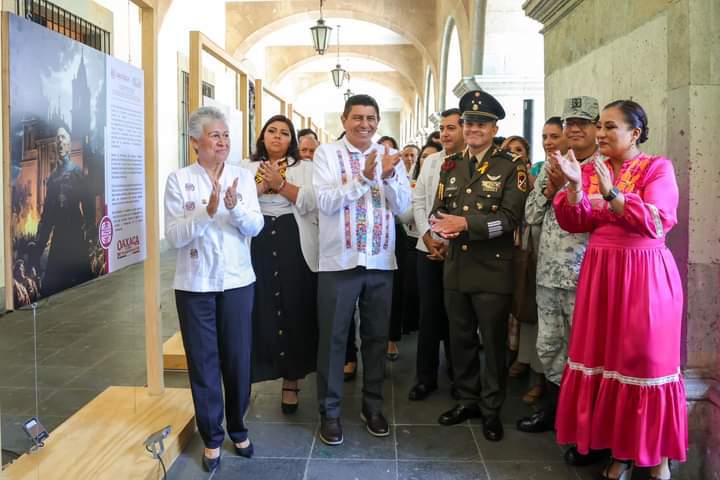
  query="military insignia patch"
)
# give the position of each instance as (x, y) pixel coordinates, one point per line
(483, 167)
(489, 186)
(440, 190)
(522, 180)
(494, 178)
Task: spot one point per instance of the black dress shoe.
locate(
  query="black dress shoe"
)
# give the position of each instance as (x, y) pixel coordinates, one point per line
(540, 421)
(246, 452)
(331, 431)
(376, 424)
(454, 393)
(459, 414)
(420, 391)
(493, 429)
(211, 464)
(577, 459)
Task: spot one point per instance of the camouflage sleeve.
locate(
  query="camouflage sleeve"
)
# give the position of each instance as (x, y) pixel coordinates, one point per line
(537, 205)
(509, 213)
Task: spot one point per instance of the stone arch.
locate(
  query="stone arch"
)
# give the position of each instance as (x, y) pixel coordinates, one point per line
(390, 80)
(406, 69)
(450, 27)
(243, 32)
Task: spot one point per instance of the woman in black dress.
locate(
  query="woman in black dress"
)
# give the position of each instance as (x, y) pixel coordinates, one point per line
(285, 260)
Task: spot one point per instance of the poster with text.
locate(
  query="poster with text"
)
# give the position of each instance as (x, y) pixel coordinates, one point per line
(77, 162)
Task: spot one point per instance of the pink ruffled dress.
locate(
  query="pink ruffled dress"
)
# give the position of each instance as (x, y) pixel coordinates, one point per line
(622, 387)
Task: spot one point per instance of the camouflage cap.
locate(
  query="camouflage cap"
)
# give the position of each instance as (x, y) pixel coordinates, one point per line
(581, 107)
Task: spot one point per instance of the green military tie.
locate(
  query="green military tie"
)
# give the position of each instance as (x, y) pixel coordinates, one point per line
(473, 164)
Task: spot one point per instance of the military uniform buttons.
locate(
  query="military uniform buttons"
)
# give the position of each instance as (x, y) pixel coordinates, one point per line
(274, 254)
(273, 232)
(282, 354)
(280, 332)
(497, 255)
(277, 294)
(279, 312)
(469, 190)
(276, 273)
(465, 208)
(488, 195)
(464, 248)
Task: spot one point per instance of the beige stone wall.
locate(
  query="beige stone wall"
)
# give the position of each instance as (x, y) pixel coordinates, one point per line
(620, 68)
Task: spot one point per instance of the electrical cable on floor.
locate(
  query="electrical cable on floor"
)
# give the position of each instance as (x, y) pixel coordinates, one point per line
(159, 457)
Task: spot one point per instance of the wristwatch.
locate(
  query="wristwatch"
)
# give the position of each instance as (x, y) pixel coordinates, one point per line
(611, 194)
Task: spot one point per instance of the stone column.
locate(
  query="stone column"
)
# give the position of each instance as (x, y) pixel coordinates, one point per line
(478, 37)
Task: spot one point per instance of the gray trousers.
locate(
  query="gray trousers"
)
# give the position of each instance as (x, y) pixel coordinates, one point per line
(337, 294)
(487, 312)
(555, 311)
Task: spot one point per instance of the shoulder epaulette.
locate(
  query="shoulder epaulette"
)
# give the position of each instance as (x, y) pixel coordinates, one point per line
(506, 154)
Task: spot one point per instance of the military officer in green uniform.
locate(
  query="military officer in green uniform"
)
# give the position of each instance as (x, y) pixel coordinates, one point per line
(480, 202)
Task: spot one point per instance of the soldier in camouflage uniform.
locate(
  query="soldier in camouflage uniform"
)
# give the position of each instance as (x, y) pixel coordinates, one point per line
(559, 257)
(480, 202)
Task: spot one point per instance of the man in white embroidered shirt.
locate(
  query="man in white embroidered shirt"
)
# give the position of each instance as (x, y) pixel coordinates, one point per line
(360, 185)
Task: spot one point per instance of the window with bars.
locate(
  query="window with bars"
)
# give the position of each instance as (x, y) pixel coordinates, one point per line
(66, 23)
(208, 90)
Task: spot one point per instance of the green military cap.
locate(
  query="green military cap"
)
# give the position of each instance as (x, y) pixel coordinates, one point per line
(586, 108)
(479, 106)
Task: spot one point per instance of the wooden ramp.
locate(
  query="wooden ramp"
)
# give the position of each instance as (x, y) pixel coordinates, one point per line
(174, 353)
(104, 440)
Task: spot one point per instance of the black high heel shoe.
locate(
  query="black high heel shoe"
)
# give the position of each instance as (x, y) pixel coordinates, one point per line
(246, 452)
(211, 464)
(624, 475)
(289, 408)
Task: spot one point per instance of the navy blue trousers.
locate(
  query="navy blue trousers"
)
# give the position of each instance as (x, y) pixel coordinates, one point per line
(217, 334)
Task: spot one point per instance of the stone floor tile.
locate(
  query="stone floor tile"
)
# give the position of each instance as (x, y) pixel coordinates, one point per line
(353, 469)
(438, 470)
(436, 443)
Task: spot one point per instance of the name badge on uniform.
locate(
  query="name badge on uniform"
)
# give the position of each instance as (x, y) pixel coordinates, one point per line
(490, 186)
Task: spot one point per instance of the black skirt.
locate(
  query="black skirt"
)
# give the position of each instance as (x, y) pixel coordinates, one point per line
(285, 333)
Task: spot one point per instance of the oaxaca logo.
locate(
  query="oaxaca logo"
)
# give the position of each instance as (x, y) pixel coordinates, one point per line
(127, 246)
(105, 232)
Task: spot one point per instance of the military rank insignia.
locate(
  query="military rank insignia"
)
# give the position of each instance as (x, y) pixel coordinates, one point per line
(441, 191)
(522, 180)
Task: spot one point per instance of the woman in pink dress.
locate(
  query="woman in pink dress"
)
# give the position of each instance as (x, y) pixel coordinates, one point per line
(622, 388)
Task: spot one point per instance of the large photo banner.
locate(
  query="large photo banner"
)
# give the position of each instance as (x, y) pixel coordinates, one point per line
(77, 162)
